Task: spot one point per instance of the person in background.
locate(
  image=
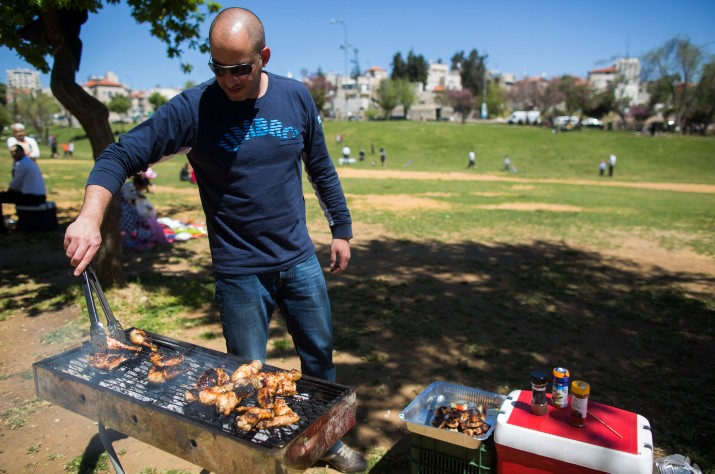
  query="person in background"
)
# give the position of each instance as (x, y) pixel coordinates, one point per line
(507, 163)
(611, 164)
(602, 167)
(472, 159)
(65, 150)
(52, 141)
(251, 189)
(28, 144)
(185, 173)
(27, 186)
(383, 156)
(362, 154)
(70, 149)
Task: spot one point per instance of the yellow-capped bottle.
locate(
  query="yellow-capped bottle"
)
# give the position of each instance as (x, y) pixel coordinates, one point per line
(579, 403)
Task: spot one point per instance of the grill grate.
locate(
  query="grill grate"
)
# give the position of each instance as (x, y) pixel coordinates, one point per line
(314, 396)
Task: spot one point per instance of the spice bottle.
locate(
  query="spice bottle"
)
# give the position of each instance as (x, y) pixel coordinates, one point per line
(538, 393)
(579, 403)
(560, 388)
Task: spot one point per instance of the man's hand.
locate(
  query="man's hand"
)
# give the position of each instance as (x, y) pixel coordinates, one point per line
(339, 255)
(82, 241)
(83, 236)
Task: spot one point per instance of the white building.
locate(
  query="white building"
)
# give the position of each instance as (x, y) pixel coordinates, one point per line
(623, 75)
(105, 88)
(23, 79)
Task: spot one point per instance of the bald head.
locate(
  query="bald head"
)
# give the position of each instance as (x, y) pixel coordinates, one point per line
(231, 23)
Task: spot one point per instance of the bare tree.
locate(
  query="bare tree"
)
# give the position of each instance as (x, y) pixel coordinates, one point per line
(682, 62)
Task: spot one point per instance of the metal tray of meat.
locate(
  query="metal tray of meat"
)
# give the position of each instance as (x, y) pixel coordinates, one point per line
(419, 414)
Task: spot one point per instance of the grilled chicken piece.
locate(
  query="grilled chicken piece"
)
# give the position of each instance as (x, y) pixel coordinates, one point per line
(278, 421)
(264, 397)
(106, 361)
(191, 395)
(208, 396)
(227, 402)
(280, 407)
(211, 378)
(249, 416)
(161, 360)
(243, 374)
(114, 345)
(139, 337)
(161, 375)
(271, 384)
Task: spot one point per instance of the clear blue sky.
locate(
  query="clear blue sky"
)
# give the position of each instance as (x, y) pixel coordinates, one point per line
(524, 37)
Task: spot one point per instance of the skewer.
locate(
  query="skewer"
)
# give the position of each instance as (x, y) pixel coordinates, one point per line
(604, 424)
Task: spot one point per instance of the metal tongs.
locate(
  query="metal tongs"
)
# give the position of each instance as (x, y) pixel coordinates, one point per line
(97, 333)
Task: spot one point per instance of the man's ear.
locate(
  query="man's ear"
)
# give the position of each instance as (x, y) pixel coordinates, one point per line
(265, 55)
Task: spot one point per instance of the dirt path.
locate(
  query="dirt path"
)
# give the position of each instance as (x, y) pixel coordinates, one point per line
(458, 176)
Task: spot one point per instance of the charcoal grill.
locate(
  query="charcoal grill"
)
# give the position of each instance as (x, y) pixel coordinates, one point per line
(158, 415)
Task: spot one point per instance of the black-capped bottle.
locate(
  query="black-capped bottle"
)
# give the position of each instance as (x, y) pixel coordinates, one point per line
(539, 380)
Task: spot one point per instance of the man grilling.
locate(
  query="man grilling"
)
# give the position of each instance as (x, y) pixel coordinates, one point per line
(249, 133)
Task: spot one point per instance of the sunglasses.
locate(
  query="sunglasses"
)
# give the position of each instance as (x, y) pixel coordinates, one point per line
(236, 70)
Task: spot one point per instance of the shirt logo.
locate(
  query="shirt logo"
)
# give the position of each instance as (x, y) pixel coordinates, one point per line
(258, 127)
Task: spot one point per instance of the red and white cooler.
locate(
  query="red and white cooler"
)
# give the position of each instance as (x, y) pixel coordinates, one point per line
(527, 443)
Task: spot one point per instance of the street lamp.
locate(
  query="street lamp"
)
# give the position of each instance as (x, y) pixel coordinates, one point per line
(484, 88)
(346, 47)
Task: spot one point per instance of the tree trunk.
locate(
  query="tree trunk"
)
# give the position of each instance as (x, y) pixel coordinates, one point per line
(94, 118)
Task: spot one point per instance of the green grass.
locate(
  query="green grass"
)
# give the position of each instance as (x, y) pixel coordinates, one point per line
(536, 152)
(470, 251)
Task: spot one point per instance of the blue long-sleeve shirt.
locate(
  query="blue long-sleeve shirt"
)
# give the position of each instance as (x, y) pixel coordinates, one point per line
(248, 159)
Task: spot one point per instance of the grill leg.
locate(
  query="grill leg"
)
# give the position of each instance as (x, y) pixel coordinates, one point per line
(110, 450)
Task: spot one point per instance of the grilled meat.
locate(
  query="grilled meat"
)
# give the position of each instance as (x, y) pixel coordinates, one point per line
(261, 418)
(191, 395)
(271, 384)
(161, 360)
(161, 375)
(243, 374)
(250, 416)
(139, 337)
(115, 345)
(470, 422)
(278, 421)
(209, 395)
(227, 402)
(106, 361)
(211, 378)
(264, 397)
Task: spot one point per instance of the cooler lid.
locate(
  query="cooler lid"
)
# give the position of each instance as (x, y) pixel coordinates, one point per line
(556, 422)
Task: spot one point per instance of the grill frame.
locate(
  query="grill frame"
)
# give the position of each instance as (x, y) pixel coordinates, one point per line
(189, 435)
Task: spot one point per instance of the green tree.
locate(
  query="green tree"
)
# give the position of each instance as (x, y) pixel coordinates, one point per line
(120, 104)
(417, 68)
(678, 65)
(156, 99)
(704, 109)
(36, 110)
(51, 29)
(388, 96)
(5, 116)
(471, 70)
(399, 67)
(496, 99)
(576, 94)
(406, 94)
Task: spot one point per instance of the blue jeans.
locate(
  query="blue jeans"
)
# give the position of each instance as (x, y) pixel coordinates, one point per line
(246, 304)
